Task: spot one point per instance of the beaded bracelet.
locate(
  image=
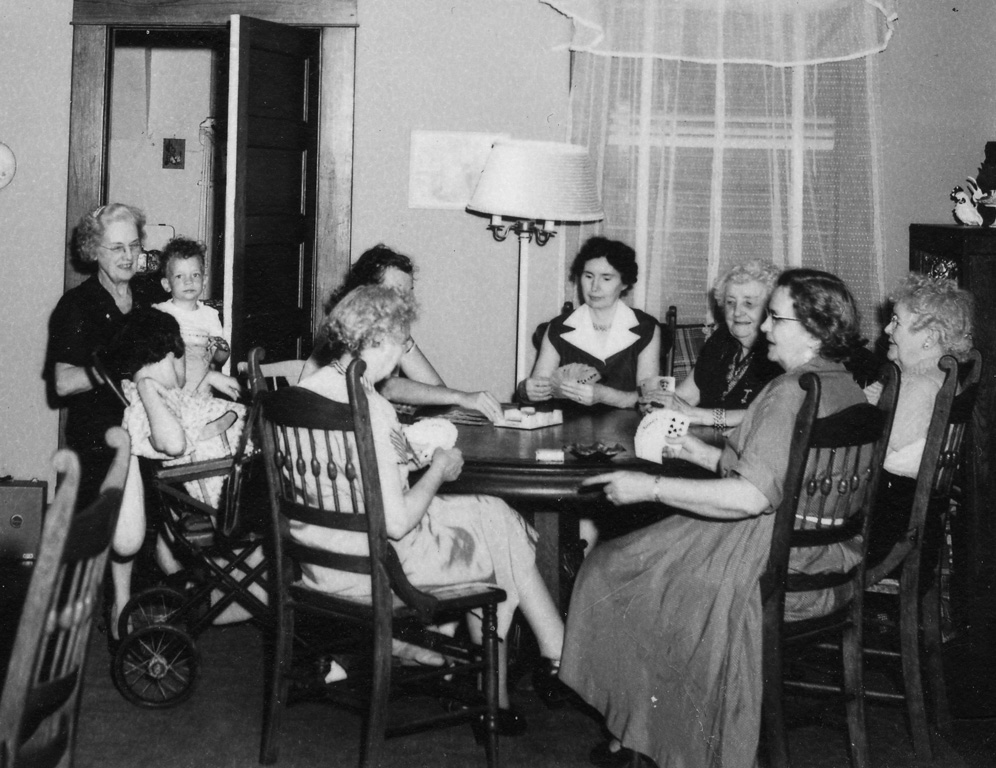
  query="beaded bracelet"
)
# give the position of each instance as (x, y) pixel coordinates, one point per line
(658, 491)
(719, 418)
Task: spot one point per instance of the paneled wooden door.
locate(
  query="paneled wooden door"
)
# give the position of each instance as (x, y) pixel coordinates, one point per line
(270, 187)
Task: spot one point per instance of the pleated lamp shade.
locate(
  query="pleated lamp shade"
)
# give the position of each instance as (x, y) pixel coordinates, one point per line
(539, 180)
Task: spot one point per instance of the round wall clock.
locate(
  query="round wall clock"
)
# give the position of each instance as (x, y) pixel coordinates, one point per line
(8, 165)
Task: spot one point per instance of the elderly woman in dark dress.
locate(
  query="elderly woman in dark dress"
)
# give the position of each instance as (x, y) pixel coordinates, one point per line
(86, 318)
(664, 628)
(733, 366)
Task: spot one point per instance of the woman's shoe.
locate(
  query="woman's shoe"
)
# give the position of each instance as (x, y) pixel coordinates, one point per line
(548, 685)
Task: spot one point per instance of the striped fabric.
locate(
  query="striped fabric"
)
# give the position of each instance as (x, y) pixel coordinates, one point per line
(688, 341)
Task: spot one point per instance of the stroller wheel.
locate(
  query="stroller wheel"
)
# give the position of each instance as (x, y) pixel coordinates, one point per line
(156, 666)
(153, 606)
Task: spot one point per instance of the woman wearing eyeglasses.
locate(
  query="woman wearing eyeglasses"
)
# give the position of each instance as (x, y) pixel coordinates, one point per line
(85, 319)
(664, 629)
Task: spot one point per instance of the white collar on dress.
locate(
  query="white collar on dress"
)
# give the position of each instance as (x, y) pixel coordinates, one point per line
(619, 337)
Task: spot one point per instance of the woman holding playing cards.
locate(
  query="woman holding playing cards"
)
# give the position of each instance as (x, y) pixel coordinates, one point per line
(599, 352)
(733, 365)
(664, 628)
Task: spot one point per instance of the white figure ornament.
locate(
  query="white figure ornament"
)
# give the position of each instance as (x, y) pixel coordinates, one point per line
(965, 211)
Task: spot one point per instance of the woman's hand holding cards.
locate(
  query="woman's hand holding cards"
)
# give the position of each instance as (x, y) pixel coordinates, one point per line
(585, 394)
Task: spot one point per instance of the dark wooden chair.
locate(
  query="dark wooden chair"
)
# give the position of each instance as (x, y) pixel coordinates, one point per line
(830, 485)
(903, 576)
(280, 373)
(45, 674)
(686, 341)
(307, 437)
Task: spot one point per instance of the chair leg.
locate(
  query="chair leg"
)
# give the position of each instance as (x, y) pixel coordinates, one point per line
(380, 687)
(934, 660)
(909, 630)
(489, 644)
(772, 711)
(854, 695)
(277, 695)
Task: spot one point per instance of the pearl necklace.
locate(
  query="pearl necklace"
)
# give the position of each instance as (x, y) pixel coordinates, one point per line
(598, 327)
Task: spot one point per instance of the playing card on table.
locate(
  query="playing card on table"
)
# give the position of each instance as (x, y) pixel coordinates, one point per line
(657, 428)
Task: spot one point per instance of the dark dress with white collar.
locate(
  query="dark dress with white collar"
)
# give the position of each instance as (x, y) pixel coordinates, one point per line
(618, 370)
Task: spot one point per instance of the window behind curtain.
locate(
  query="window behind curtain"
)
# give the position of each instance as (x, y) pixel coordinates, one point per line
(703, 166)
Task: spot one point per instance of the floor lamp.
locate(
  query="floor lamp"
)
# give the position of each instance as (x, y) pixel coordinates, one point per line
(528, 187)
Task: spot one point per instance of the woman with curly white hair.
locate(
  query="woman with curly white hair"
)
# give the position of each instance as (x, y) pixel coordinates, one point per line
(733, 366)
(931, 317)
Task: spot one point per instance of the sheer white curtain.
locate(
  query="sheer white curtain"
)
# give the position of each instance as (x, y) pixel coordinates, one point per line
(724, 130)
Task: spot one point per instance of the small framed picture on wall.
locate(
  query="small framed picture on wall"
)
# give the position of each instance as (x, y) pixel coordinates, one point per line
(445, 167)
(174, 153)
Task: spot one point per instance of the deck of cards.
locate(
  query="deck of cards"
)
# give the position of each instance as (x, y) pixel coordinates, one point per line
(575, 373)
(656, 429)
(425, 436)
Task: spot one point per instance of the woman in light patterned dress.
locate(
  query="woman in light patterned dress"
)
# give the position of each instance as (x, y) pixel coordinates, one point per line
(440, 540)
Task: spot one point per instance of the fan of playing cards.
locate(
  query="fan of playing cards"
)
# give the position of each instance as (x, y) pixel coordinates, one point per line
(655, 429)
(575, 373)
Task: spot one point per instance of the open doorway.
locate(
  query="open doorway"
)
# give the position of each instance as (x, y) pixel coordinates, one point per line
(166, 138)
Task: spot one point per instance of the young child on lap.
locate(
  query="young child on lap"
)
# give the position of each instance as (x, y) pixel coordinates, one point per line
(200, 326)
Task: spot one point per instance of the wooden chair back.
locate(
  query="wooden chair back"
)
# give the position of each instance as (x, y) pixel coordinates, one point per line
(940, 460)
(265, 376)
(830, 485)
(834, 466)
(686, 341)
(45, 675)
(322, 471)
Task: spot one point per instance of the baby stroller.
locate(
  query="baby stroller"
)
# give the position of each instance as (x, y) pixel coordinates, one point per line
(156, 664)
(219, 548)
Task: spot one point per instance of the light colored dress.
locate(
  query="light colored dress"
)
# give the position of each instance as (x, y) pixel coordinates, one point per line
(664, 630)
(459, 540)
(194, 412)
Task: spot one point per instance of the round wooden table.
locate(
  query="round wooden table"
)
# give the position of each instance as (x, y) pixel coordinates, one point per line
(501, 461)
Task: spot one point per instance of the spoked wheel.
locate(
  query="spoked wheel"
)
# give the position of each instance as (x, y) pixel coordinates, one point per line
(150, 607)
(156, 666)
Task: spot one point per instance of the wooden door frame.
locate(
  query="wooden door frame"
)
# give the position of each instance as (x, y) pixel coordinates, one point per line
(93, 23)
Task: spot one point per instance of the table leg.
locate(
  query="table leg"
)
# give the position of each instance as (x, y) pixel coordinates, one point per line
(558, 535)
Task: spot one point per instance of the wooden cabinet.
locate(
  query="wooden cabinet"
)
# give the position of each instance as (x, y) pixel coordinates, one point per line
(968, 255)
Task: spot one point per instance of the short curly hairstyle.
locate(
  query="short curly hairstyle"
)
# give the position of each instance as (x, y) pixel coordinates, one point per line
(620, 256)
(90, 230)
(826, 308)
(753, 271)
(368, 315)
(369, 270)
(147, 337)
(179, 249)
(940, 305)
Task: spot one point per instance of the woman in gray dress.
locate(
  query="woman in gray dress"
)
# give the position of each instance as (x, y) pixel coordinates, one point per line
(664, 629)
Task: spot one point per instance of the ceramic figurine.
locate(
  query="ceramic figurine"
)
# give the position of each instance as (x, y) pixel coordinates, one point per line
(985, 202)
(965, 211)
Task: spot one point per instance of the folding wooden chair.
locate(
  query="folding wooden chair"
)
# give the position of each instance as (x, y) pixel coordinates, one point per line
(45, 674)
(830, 486)
(307, 437)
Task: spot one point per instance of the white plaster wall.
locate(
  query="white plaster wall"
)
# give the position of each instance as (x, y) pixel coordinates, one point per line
(35, 65)
(471, 66)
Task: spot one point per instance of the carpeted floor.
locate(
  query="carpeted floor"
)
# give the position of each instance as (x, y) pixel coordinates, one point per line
(219, 727)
